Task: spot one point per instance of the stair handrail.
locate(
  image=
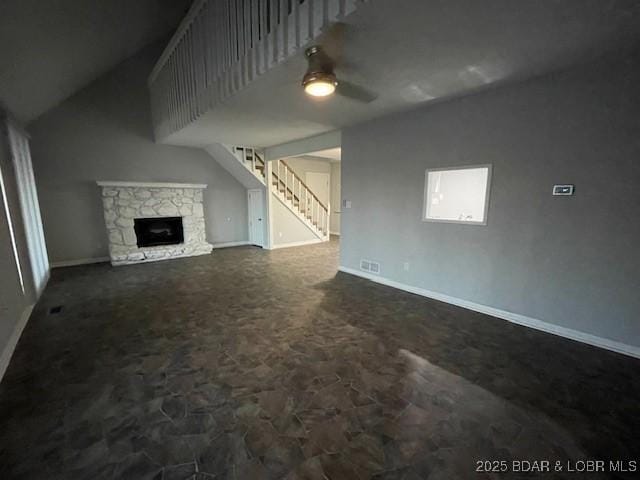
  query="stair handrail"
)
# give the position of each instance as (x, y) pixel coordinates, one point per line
(303, 184)
(318, 212)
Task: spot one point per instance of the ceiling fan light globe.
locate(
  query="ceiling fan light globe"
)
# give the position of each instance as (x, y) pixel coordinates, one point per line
(319, 85)
(319, 88)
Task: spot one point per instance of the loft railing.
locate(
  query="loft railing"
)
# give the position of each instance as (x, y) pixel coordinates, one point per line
(222, 45)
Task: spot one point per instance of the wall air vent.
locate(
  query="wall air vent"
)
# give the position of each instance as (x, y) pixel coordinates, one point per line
(369, 266)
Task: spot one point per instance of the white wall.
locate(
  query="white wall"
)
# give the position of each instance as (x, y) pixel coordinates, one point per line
(336, 182)
(104, 133)
(287, 228)
(302, 165)
(568, 261)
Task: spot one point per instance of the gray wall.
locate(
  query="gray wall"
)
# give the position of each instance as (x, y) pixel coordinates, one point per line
(571, 261)
(13, 301)
(104, 133)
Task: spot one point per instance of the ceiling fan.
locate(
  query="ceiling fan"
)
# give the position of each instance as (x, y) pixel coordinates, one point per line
(320, 79)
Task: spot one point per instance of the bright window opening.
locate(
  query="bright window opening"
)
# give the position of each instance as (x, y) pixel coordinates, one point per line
(457, 195)
(11, 232)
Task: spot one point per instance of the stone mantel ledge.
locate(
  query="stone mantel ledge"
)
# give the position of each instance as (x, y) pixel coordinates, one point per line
(107, 183)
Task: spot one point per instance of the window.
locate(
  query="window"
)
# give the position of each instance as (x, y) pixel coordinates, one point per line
(14, 245)
(457, 195)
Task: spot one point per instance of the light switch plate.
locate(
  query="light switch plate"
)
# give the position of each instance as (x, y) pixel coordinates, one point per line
(563, 189)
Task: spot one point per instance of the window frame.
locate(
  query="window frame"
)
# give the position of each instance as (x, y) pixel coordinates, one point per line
(485, 213)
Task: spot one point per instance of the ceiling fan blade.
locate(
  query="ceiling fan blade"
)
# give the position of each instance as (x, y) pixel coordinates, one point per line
(355, 92)
(332, 41)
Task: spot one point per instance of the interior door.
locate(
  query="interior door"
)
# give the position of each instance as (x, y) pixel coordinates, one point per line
(319, 184)
(256, 217)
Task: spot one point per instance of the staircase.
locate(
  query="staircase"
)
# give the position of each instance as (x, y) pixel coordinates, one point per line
(250, 159)
(300, 199)
(289, 188)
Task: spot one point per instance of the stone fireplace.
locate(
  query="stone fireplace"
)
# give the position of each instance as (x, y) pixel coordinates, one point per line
(153, 221)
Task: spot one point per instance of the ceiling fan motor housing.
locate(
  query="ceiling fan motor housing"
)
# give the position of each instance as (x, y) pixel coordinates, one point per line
(320, 67)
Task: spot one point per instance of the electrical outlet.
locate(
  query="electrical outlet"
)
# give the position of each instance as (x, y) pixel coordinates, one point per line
(346, 203)
(405, 266)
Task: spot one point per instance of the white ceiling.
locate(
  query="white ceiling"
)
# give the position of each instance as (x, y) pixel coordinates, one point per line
(52, 48)
(412, 52)
(331, 154)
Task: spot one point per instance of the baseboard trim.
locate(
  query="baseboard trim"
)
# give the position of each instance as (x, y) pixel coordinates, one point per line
(516, 318)
(7, 353)
(334, 233)
(80, 261)
(231, 244)
(297, 244)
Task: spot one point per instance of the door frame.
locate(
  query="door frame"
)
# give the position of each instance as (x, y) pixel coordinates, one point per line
(261, 216)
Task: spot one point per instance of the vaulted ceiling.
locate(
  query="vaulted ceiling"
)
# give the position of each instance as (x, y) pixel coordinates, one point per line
(414, 52)
(52, 48)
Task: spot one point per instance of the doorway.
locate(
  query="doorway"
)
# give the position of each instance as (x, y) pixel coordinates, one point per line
(256, 217)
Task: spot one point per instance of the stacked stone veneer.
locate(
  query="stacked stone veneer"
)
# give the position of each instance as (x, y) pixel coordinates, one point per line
(124, 201)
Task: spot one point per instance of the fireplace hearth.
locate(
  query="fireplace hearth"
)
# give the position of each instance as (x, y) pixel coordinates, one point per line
(155, 231)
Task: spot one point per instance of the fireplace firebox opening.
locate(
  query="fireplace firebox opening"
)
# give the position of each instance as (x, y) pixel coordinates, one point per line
(152, 232)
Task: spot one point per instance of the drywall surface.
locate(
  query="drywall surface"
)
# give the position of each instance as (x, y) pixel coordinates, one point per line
(104, 133)
(303, 165)
(336, 181)
(315, 143)
(569, 261)
(287, 228)
(13, 301)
